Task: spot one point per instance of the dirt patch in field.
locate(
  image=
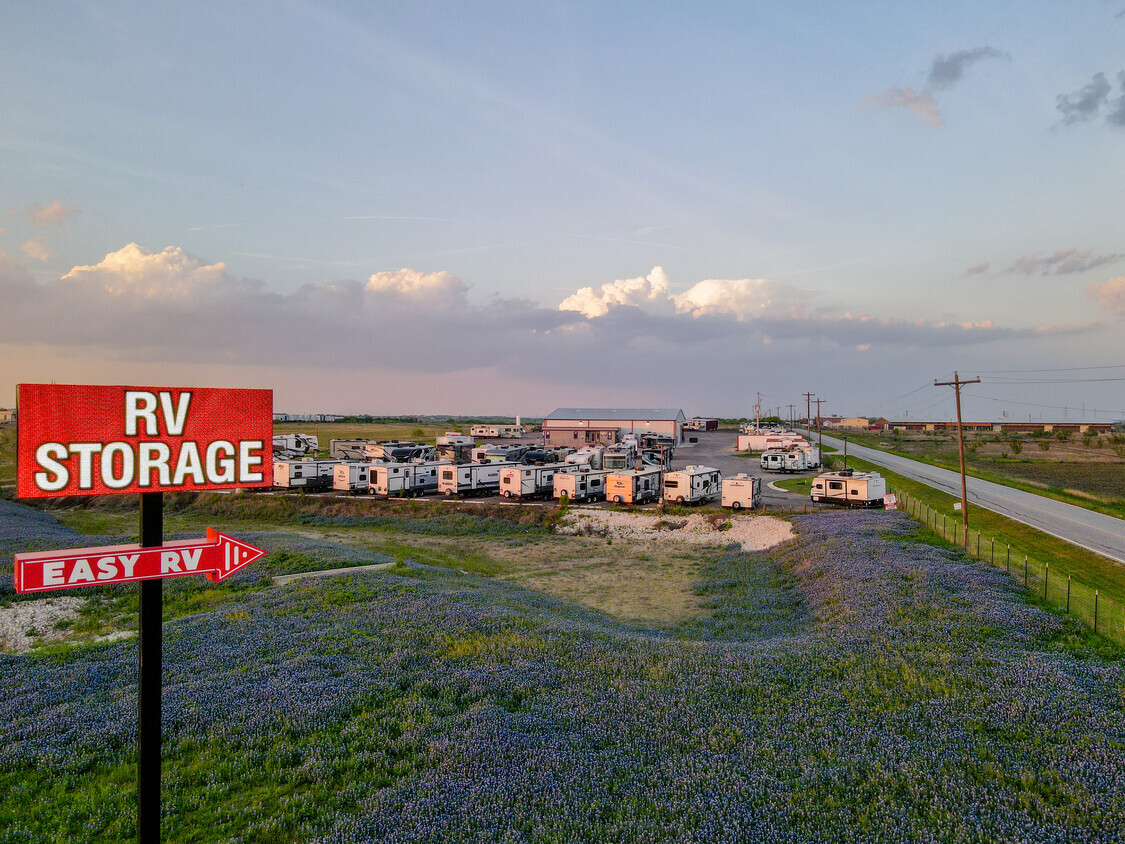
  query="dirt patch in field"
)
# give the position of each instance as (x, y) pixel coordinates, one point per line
(751, 533)
(29, 623)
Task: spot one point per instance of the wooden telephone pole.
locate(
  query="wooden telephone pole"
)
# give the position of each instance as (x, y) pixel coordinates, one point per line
(957, 384)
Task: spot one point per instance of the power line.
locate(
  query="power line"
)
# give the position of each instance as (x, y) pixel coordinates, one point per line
(1067, 369)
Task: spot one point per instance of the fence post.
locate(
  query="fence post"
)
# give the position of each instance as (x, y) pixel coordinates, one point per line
(1046, 571)
(992, 550)
(978, 544)
(1068, 594)
(1008, 564)
(1095, 610)
(1025, 571)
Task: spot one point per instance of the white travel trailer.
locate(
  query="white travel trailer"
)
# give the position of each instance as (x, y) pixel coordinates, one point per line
(347, 449)
(389, 479)
(303, 474)
(633, 486)
(502, 453)
(773, 460)
(796, 460)
(351, 476)
(587, 457)
(455, 438)
(295, 444)
(581, 486)
(382, 450)
(742, 492)
(619, 457)
(531, 481)
(693, 485)
(471, 478)
(498, 432)
(850, 488)
(764, 441)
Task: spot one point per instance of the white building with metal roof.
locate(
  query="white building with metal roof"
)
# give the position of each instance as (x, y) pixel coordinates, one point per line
(574, 426)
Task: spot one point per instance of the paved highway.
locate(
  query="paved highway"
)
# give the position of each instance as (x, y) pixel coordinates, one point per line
(1093, 531)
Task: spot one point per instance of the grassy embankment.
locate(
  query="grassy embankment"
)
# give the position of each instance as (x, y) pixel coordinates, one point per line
(1084, 471)
(1006, 543)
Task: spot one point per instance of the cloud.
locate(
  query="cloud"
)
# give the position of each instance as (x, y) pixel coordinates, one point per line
(136, 272)
(946, 71)
(1062, 262)
(978, 269)
(1087, 102)
(1110, 294)
(441, 289)
(921, 104)
(37, 248)
(649, 293)
(168, 307)
(54, 214)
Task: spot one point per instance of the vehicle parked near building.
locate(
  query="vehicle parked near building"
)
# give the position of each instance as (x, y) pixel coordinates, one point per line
(403, 479)
(351, 476)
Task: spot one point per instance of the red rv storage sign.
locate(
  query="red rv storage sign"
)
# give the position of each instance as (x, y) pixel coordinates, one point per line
(99, 440)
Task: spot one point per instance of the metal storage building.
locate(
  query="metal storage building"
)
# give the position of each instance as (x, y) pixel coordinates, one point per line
(576, 426)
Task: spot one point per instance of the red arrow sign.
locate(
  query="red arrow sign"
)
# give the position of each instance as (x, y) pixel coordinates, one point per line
(218, 556)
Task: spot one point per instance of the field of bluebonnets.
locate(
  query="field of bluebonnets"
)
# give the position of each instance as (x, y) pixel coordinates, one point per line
(852, 685)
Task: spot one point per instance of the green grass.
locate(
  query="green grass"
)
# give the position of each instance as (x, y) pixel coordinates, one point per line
(1005, 543)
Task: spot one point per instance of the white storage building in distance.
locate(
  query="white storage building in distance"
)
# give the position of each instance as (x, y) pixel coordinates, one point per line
(577, 426)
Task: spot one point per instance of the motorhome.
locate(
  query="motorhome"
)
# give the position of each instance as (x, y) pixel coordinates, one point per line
(471, 478)
(531, 481)
(404, 479)
(581, 486)
(742, 492)
(455, 452)
(796, 460)
(619, 457)
(693, 485)
(351, 476)
(850, 488)
(633, 486)
(347, 449)
(303, 474)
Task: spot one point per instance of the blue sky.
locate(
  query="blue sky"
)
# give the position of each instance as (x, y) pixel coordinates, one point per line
(508, 207)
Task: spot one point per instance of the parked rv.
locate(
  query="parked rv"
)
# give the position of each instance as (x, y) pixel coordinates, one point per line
(796, 460)
(619, 457)
(406, 479)
(503, 453)
(773, 460)
(290, 446)
(587, 457)
(303, 474)
(347, 449)
(581, 486)
(633, 486)
(497, 431)
(693, 485)
(382, 450)
(531, 481)
(850, 488)
(351, 476)
(454, 452)
(455, 438)
(742, 492)
(471, 478)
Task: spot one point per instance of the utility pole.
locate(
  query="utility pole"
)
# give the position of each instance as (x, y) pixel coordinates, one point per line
(957, 384)
(790, 417)
(808, 409)
(758, 413)
(819, 433)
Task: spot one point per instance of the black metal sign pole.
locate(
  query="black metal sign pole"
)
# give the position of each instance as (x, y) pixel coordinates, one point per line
(149, 646)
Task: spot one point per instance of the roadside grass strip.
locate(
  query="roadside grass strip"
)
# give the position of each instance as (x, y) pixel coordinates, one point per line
(852, 684)
(1069, 579)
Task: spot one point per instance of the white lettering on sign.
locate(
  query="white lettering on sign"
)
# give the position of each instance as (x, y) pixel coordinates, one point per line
(140, 405)
(53, 574)
(48, 456)
(153, 456)
(216, 463)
